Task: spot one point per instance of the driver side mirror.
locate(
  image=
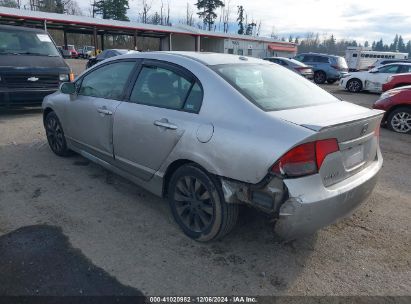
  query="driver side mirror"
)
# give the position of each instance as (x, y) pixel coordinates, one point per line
(68, 88)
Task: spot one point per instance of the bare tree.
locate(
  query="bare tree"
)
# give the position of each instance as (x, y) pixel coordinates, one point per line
(226, 15)
(145, 9)
(189, 16)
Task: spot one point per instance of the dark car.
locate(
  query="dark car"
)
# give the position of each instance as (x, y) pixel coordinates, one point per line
(31, 67)
(396, 81)
(328, 68)
(106, 54)
(397, 104)
(293, 65)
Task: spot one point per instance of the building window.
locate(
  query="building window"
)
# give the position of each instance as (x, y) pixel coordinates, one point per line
(250, 52)
(230, 51)
(240, 52)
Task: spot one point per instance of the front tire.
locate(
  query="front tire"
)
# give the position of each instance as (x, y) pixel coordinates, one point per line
(55, 135)
(198, 206)
(354, 85)
(399, 120)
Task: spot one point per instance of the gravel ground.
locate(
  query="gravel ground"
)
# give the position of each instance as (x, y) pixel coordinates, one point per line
(129, 234)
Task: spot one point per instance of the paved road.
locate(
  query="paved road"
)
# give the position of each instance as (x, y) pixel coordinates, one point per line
(129, 234)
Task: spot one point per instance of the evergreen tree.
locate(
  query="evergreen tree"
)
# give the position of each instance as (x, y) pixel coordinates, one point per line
(112, 9)
(207, 10)
(366, 44)
(9, 3)
(401, 45)
(240, 20)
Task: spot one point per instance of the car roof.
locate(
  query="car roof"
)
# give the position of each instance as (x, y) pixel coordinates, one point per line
(21, 29)
(202, 57)
(397, 63)
(320, 54)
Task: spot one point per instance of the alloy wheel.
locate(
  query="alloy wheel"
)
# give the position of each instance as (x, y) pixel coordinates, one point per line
(401, 122)
(194, 204)
(54, 134)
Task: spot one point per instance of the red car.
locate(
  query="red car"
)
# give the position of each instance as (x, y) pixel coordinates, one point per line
(396, 81)
(72, 51)
(397, 104)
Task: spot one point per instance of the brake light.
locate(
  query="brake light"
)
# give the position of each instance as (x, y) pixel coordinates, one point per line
(335, 67)
(305, 159)
(323, 148)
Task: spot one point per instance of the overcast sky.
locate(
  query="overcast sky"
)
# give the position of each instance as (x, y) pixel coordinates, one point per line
(350, 19)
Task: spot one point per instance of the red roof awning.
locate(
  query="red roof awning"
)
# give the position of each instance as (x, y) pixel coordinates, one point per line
(282, 47)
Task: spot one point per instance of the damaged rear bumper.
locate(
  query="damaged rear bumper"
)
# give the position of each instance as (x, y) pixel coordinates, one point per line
(304, 205)
(310, 207)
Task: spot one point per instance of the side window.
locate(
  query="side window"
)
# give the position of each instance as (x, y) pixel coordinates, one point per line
(392, 69)
(405, 69)
(299, 57)
(308, 58)
(108, 81)
(323, 59)
(230, 51)
(194, 99)
(160, 87)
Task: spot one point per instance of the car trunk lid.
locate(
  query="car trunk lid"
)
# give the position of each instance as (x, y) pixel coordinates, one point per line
(354, 127)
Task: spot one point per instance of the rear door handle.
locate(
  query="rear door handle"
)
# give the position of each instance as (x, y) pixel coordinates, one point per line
(104, 111)
(165, 124)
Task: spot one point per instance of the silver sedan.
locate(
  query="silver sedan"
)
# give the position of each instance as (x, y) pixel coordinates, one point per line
(212, 131)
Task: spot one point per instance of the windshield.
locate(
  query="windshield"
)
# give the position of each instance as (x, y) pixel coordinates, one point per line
(26, 43)
(272, 87)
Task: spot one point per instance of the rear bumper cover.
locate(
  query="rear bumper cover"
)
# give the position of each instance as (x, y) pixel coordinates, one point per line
(310, 207)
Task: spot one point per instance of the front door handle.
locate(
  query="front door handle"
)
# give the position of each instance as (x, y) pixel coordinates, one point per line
(104, 111)
(165, 124)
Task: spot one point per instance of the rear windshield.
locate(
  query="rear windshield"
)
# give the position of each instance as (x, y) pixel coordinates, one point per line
(342, 63)
(26, 43)
(272, 87)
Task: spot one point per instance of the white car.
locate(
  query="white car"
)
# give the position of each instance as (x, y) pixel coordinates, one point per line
(373, 80)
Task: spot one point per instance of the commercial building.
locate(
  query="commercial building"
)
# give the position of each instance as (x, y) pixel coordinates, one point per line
(177, 37)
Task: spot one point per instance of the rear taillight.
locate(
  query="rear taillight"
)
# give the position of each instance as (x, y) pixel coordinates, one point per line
(305, 159)
(336, 67)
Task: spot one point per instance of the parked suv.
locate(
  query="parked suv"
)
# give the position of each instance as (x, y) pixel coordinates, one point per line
(328, 68)
(31, 67)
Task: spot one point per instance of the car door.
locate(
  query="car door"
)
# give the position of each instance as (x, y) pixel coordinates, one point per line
(375, 81)
(90, 111)
(162, 106)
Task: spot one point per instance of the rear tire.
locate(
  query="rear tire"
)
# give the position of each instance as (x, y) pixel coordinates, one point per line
(354, 85)
(55, 135)
(320, 77)
(198, 206)
(399, 120)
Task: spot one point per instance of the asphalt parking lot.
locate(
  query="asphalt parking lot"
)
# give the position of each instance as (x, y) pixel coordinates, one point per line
(127, 237)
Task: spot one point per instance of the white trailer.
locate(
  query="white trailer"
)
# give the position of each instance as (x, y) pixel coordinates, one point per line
(361, 58)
